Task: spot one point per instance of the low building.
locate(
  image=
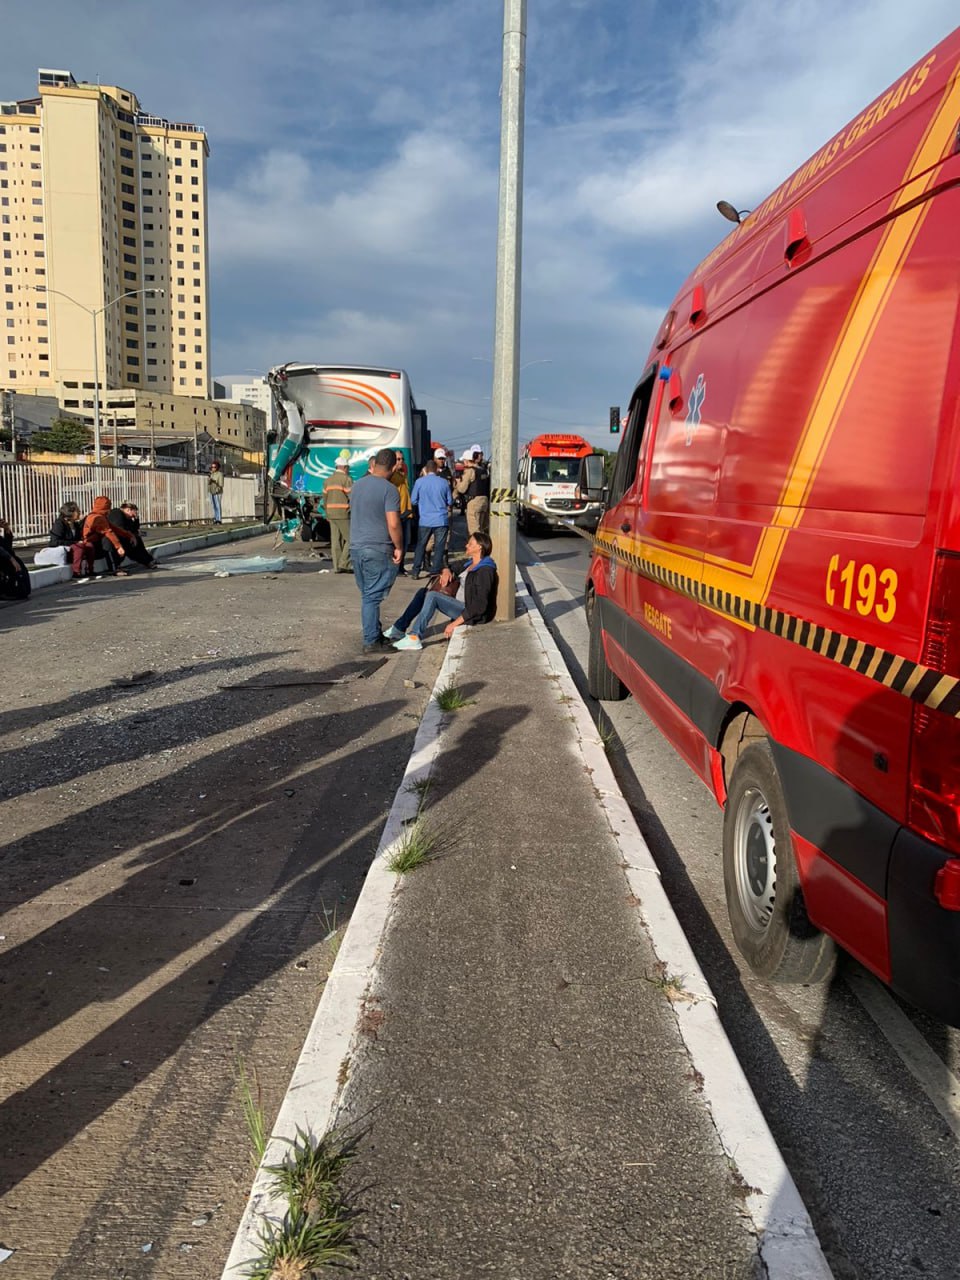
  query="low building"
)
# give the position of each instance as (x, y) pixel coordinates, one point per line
(239, 425)
(256, 391)
(22, 417)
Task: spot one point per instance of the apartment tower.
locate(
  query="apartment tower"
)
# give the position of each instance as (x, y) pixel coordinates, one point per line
(99, 200)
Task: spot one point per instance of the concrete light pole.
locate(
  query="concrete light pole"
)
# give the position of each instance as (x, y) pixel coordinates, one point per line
(506, 346)
(93, 313)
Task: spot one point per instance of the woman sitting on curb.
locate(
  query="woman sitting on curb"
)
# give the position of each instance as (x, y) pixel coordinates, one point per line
(100, 533)
(479, 598)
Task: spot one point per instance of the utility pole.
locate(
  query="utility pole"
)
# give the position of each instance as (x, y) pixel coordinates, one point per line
(506, 349)
(153, 438)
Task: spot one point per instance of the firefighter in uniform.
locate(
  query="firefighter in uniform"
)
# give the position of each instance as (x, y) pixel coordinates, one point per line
(336, 505)
(474, 485)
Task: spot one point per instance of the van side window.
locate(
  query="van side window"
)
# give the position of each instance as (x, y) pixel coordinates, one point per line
(628, 455)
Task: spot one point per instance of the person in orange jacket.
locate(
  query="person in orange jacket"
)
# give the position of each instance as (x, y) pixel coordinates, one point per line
(104, 538)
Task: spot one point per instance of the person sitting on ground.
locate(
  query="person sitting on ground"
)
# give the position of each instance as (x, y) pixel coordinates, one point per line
(66, 532)
(126, 521)
(106, 542)
(14, 575)
(479, 598)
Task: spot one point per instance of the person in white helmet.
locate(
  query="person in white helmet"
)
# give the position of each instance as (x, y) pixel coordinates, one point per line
(474, 487)
(443, 466)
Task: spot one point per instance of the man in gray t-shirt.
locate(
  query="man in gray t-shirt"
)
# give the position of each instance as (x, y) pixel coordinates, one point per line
(376, 544)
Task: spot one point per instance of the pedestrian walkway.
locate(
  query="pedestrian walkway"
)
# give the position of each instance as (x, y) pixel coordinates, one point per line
(543, 1084)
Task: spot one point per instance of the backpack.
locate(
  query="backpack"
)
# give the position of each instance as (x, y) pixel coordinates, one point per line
(14, 578)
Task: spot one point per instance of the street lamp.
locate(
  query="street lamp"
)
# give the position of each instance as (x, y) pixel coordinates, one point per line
(93, 312)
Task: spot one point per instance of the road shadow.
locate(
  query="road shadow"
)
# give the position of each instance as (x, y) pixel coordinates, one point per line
(219, 901)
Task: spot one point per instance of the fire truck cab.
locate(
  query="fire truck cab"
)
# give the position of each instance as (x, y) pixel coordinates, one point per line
(776, 577)
(549, 488)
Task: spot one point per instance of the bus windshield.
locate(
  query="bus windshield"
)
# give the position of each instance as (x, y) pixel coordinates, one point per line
(355, 407)
(558, 469)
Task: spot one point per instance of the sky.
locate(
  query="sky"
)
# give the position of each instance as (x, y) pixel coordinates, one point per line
(354, 157)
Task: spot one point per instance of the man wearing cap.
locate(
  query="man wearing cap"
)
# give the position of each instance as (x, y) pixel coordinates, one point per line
(474, 485)
(432, 497)
(443, 469)
(336, 505)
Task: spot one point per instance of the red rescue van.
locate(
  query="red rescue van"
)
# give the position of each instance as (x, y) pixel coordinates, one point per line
(776, 577)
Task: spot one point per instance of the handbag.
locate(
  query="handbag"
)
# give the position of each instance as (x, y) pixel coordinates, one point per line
(446, 589)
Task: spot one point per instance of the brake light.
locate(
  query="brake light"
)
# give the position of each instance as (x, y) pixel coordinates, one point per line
(946, 885)
(933, 805)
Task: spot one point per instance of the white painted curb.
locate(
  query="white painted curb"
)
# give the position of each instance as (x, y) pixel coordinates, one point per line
(787, 1240)
(51, 575)
(318, 1078)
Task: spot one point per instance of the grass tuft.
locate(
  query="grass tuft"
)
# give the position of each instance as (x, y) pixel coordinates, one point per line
(607, 734)
(309, 1177)
(329, 919)
(297, 1247)
(451, 698)
(416, 846)
(251, 1099)
(671, 984)
(419, 788)
(316, 1228)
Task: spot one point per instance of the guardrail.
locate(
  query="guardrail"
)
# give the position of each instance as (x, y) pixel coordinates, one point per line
(31, 494)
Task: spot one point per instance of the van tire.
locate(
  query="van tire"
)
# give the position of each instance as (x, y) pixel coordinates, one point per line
(764, 899)
(601, 682)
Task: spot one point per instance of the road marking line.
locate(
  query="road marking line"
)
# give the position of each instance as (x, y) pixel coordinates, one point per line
(926, 1066)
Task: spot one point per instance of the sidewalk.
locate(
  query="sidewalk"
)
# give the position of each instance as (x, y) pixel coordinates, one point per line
(163, 543)
(534, 1057)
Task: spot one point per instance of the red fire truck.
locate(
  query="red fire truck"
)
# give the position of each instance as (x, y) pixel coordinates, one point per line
(776, 577)
(548, 483)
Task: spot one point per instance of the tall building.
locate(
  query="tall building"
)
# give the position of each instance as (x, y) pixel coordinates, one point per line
(256, 392)
(99, 200)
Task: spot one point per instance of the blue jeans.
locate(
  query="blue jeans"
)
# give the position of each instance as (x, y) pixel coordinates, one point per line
(440, 541)
(433, 601)
(215, 499)
(375, 574)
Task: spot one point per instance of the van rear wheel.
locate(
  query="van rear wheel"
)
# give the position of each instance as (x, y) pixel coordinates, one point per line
(764, 897)
(601, 682)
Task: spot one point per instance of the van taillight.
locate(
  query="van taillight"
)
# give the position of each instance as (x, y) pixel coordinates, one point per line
(933, 805)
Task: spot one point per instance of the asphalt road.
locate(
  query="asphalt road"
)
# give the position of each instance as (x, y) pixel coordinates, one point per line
(861, 1091)
(181, 846)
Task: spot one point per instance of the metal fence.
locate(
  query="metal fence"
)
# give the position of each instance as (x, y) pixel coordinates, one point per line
(31, 494)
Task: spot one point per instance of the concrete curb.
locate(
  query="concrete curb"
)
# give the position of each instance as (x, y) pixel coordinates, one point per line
(52, 575)
(323, 1067)
(788, 1243)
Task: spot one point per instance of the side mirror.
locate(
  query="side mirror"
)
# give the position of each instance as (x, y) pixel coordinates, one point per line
(591, 477)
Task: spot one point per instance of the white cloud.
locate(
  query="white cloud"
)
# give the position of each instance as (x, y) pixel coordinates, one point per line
(755, 94)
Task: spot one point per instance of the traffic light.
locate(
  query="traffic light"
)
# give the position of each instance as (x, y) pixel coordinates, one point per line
(614, 419)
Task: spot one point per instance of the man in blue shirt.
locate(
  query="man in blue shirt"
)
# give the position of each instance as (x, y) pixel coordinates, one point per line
(376, 544)
(432, 497)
